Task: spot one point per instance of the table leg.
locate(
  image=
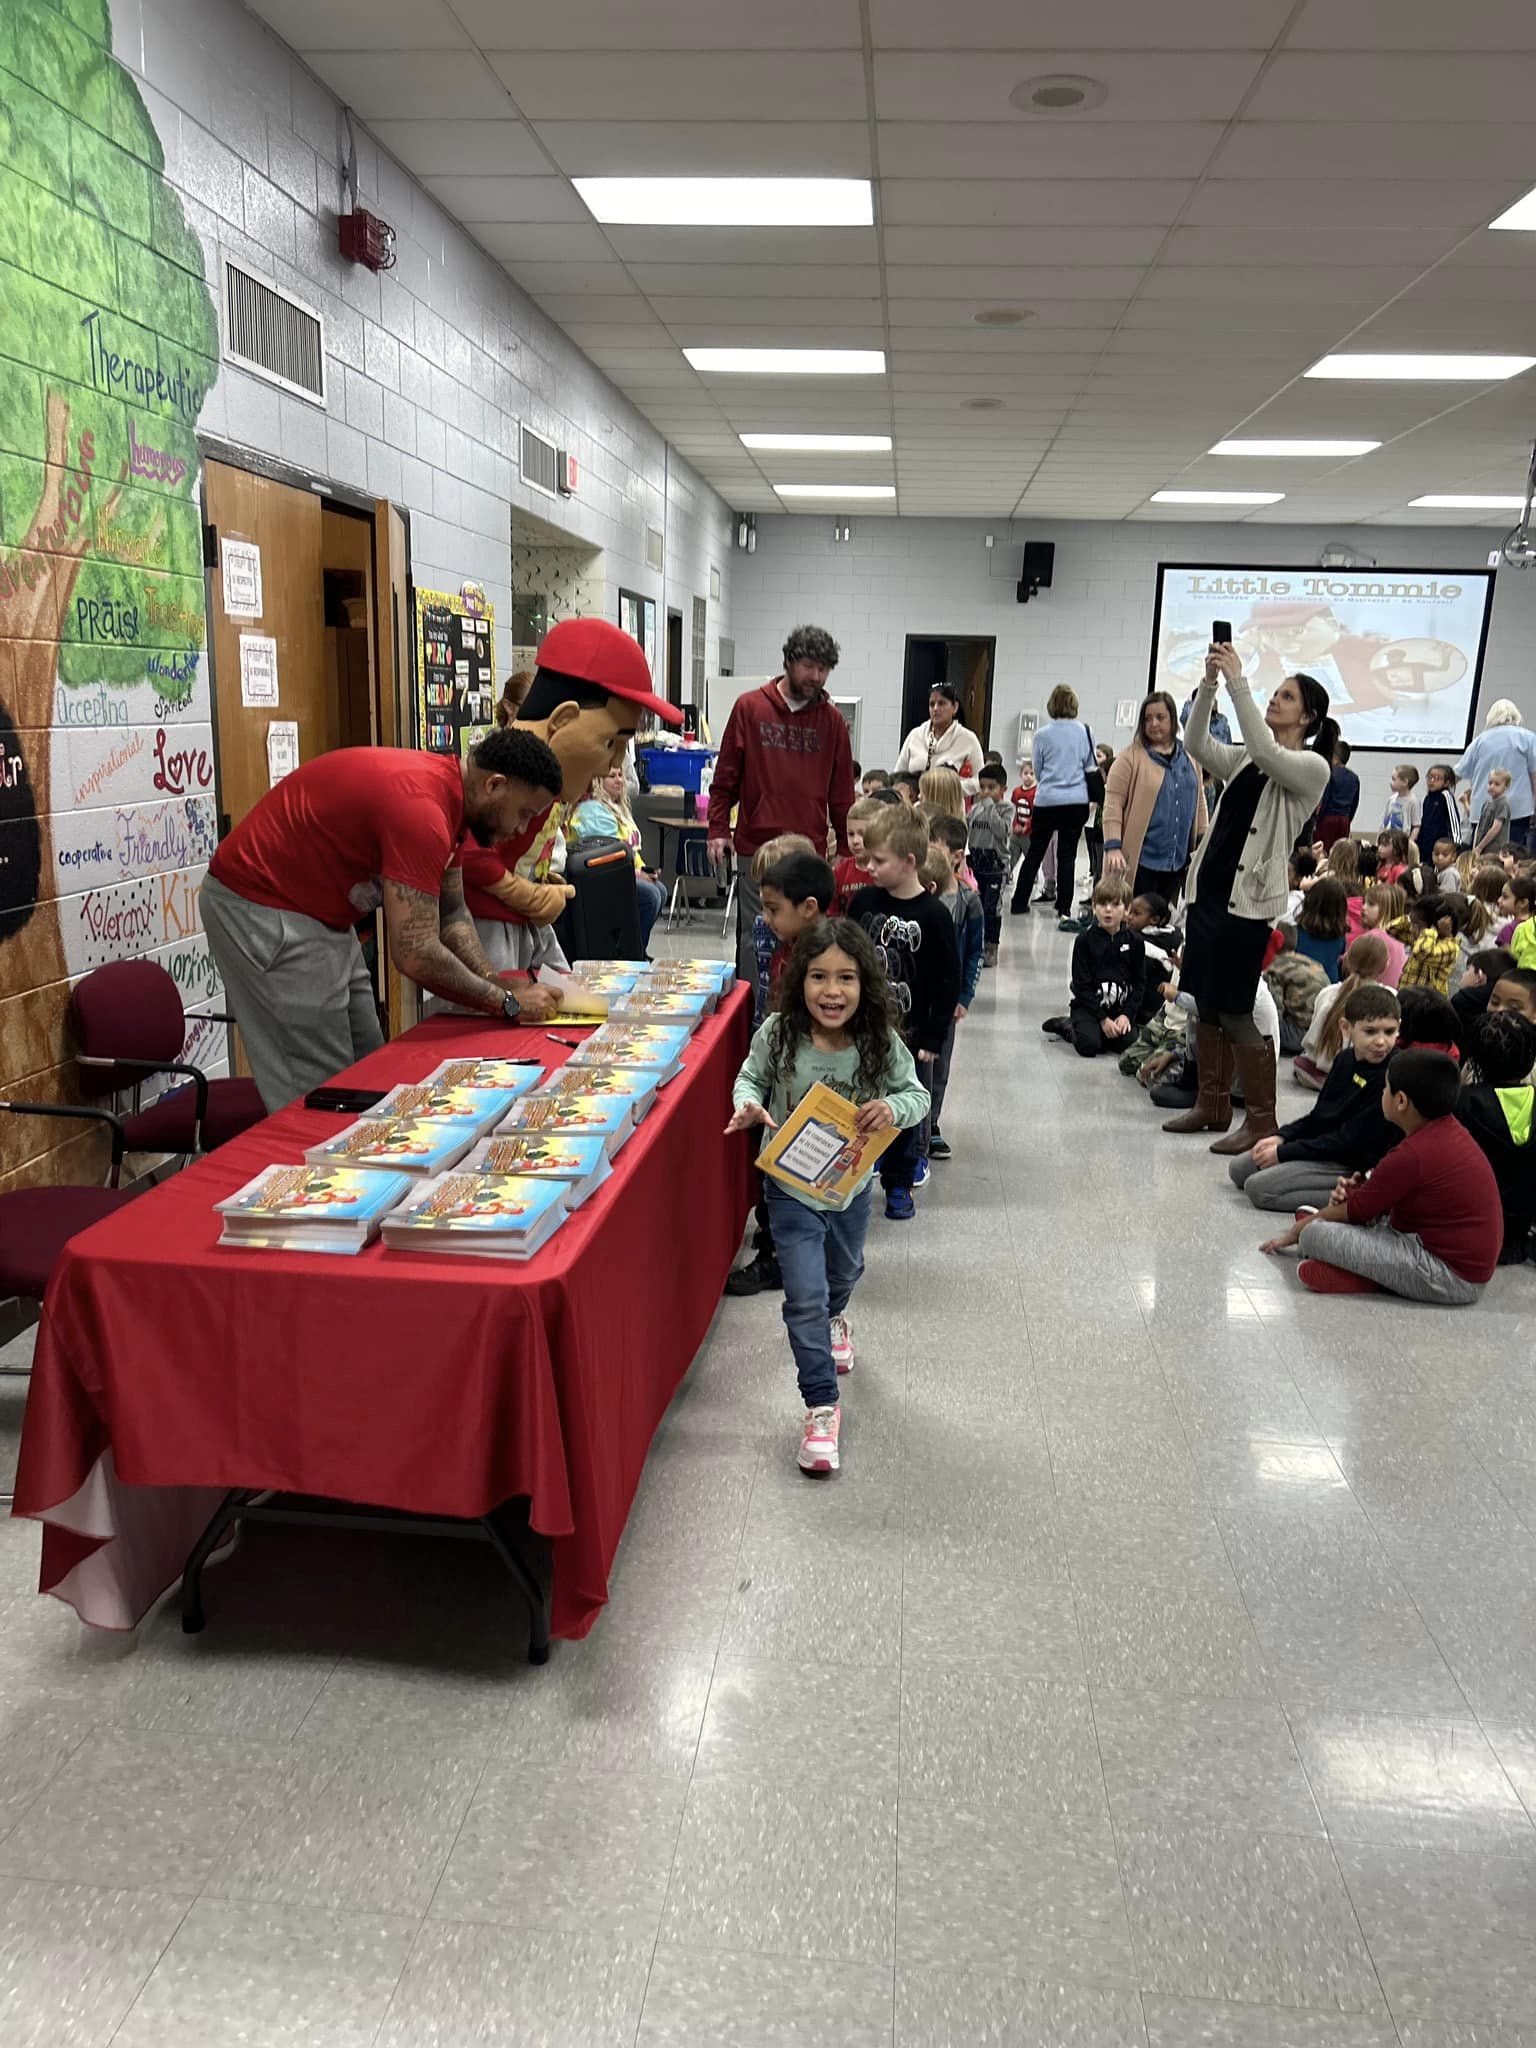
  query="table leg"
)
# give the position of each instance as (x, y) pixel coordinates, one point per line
(538, 1607)
(227, 1514)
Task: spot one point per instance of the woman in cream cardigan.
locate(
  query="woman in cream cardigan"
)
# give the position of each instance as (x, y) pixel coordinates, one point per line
(1237, 883)
(1154, 804)
(943, 742)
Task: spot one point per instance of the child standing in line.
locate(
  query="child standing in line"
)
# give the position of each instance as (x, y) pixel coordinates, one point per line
(1434, 953)
(1493, 819)
(764, 942)
(835, 1024)
(964, 906)
(1022, 797)
(907, 785)
(1428, 1223)
(1109, 964)
(914, 936)
(873, 779)
(1496, 1107)
(1402, 812)
(1344, 1132)
(850, 872)
(1438, 820)
(990, 843)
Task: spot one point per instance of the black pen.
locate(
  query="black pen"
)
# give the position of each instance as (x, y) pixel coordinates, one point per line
(555, 1039)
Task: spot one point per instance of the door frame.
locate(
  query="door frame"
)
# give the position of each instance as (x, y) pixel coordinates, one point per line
(986, 640)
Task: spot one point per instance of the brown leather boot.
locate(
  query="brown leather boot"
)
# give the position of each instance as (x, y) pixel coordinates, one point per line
(1256, 1066)
(1212, 1109)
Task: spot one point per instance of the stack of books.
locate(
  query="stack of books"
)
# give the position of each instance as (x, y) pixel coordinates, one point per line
(647, 1005)
(520, 1077)
(658, 1048)
(402, 1144)
(311, 1208)
(608, 1117)
(432, 1102)
(488, 1215)
(580, 1163)
(635, 1085)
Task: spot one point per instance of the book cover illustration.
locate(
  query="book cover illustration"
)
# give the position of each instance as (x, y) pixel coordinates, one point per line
(585, 970)
(408, 1144)
(624, 1084)
(639, 1045)
(314, 1194)
(516, 1076)
(661, 1006)
(607, 983)
(509, 1215)
(603, 1116)
(721, 972)
(432, 1103)
(819, 1150)
(579, 1161)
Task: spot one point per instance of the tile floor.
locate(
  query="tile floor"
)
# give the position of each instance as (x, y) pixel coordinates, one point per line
(1160, 1670)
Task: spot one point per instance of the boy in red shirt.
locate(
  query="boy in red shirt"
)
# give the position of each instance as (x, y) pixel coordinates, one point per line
(1428, 1223)
(850, 872)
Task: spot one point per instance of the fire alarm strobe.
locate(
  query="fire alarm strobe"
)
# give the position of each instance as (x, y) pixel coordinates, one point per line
(366, 239)
(565, 474)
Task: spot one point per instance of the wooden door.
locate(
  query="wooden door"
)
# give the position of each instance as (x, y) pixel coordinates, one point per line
(285, 524)
(393, 716)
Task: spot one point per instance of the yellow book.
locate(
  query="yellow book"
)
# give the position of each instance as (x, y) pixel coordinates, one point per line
(819, 1151)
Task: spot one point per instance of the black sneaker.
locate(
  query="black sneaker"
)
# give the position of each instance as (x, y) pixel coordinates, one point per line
(761, 1277)
(1058, 1027)
(939, 1148)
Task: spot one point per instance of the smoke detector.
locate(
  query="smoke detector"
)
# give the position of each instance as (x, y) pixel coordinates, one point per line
(1002, 316)
(1059, 92)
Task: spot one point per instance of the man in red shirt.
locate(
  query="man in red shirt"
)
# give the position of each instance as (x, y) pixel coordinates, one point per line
(1428, 1222)
(786, 763)
(340, 835)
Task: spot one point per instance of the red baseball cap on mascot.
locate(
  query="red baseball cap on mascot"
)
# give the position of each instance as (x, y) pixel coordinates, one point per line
(593, 651)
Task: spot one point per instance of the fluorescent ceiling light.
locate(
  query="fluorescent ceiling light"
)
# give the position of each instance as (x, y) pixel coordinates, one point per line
(790, 362)
(824, 444)
(1426, 369)
(1217, 497)
(729, 202)
(1450, 501)
(1521, 215)
(1298, 448)
(836, 490)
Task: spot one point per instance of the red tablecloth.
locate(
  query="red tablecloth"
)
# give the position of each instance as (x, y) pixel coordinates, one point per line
(439, 1385)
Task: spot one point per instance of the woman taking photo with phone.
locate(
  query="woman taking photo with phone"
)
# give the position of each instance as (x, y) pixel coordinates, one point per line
(1237, 882)
(1154, 804)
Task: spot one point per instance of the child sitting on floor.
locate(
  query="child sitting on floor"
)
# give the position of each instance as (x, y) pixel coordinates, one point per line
(1108, 967)
(1517, 906)
(1496, 1105)
(1391, 856)
(1298, 984)
(1385, 910)
(1364, 967)
(1300, 874)
(1428, 1223)
(1345, 1132)
(1484, 968)
(1516, 990)
(1436, 921)
(1323, 927)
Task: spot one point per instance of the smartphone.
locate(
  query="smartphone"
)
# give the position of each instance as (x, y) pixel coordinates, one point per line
(1221, 631)
(343, 1101)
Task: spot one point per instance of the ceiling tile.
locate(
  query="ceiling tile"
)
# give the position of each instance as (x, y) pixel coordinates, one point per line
(1346, 149)
(449, 148)
(694, 148)
(412, 84)
(667, 24)
(1422, 205)
(541, 242)
(1023, 149)
(1022, 246)
(746, 245)
(755, 280)
(1371, 87)
(1060, 25)
(1020, 203)
(598, 85)
(476, 199)
(1414, 25)
(310, 26)
(930, 85)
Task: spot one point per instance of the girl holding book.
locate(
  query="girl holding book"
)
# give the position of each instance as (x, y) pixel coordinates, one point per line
(834, 1023)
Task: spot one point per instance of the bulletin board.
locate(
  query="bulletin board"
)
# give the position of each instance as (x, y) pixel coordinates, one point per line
(455, 669)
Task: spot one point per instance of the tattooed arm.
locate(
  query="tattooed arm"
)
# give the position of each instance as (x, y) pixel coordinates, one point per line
(431, 948)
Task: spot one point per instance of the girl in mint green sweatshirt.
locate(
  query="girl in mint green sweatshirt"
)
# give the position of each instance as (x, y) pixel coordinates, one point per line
(835, 1023)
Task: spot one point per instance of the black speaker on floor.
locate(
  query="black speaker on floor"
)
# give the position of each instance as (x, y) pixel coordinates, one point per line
(1039, 562)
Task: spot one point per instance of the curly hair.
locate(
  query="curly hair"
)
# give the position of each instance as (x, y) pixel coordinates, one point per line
(872, 1026)
(811, 643)
(1503, 1048)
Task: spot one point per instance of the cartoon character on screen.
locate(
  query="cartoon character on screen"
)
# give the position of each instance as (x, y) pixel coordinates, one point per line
(1412, 671)
(1277, 639)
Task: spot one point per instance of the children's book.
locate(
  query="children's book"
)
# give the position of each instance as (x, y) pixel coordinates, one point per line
(310, 1208)
(645, 1005)
(431, 1102)
(585, 970)
(818, 1150)
(634, 1085)
(594, 1116)
(491, 1215)
(519, 1077)
(408, 1144)
(581, 1163)
(721, 972)
(607, 982)
(664, 982)
(659, 1048)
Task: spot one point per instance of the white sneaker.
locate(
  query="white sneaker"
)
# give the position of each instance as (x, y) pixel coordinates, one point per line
(818, 1446)
(842, 1344)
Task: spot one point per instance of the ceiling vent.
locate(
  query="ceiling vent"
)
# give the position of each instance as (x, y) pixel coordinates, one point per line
(1062, 92)
(272, 335)
(539, 463)
(655, 548)
(1002, 316)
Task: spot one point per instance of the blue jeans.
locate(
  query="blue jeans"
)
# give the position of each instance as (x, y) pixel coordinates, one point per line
(649, 897)
(821, 1255)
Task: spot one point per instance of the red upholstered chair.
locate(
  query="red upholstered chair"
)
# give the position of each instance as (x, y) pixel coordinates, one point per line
(128, 1023)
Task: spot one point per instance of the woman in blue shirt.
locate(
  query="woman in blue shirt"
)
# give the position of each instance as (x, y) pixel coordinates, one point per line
(1506, 743)
(1063, 756)
(1154, 804)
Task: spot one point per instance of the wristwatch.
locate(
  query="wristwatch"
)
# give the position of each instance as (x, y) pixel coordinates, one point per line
(511, 1008)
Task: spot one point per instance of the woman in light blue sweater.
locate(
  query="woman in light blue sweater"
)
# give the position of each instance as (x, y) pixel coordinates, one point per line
(1063, 756)
(835, 1023)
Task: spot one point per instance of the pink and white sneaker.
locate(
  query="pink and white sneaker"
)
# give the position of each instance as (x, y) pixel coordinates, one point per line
(842, 1344)
(818, 1446)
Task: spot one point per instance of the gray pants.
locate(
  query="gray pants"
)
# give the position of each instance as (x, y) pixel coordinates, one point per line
(299, 992)
(1292, 1185)
(749, 907)
(1394, 1259)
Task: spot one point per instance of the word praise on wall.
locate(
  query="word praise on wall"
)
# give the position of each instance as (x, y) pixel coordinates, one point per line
(108, 346)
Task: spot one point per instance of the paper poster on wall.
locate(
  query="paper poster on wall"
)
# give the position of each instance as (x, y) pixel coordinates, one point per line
(258, 670)
(282, 749)
(1125, 711)
(242, 578)
(455, 668)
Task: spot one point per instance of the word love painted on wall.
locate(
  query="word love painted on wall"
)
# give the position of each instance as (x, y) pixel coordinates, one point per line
(181, 768)
(121, 375)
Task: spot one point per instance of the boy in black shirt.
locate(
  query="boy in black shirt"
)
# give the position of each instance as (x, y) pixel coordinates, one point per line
(1345, 1132)
(914, 934)
(1109, 965)
(1496, 1105)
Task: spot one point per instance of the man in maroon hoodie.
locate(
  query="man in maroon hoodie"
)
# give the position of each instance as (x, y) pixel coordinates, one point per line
(786, 763)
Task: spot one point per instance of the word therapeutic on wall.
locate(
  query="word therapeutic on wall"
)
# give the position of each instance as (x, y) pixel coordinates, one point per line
(124, 376)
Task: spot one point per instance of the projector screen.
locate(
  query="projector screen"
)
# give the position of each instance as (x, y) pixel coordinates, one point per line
(1399, 651)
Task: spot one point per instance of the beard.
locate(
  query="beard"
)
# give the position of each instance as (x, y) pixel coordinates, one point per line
(481, 831)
